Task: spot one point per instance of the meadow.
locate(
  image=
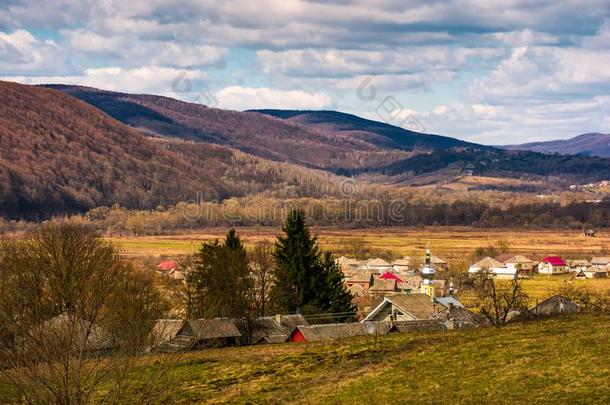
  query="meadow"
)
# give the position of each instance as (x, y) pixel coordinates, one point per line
(561, 360)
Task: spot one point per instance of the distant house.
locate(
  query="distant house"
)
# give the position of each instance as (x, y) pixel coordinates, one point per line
(361, 278)
(404, 307)
(438, 263)
(577, 266)
(595, 272)
(404, 265)
(589, 233)
(171, 269)
(313, 333)
(410, 282)
(552, 265)
(177, 335)
(556, 305)
(381, 286)
(521, 264)
(347, 264)
(495, 268)
(276, 329)
(379, 266)
(600, 261)
(356, 290)
(390, 276)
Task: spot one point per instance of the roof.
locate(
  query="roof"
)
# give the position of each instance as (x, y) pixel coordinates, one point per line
(81, 333)
(554, 260)
(420, 306)
(578, 262)
(276, 329)
(600, 260)
(437, 260)
(405, 261)
(445, 301)
(462, 314)
(596, 269)
(504, 257)
(357, 290)
(381, 284)
(343, 330)
(167, 265)
(518, 259)
(361, 277)
(378, 263)
(213, 328)
(390, 276)
(555, 305)
(418, 325)
(487, 263)
(166, 329)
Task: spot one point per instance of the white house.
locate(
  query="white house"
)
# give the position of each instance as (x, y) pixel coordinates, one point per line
(552, 265)
(495, 267)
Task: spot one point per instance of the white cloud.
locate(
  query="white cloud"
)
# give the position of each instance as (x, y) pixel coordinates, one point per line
(21, 52)
(242, 98)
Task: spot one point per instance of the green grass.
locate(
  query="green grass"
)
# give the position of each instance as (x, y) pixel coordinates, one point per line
(562, 360)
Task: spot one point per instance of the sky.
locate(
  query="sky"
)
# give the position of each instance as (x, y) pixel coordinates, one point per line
(494, 72)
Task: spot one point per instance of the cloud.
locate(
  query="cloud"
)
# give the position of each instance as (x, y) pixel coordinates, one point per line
(21, 52)
(242, 98)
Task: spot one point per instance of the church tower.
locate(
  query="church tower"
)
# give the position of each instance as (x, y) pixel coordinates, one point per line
(427, 285)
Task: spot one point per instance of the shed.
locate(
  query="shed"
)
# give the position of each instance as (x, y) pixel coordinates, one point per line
(600, 261)
(381, 285)
(334, 331)
(276, 329)
(404, 307)
(555, 305)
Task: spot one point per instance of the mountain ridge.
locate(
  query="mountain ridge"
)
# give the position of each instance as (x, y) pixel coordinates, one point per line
(588, 144)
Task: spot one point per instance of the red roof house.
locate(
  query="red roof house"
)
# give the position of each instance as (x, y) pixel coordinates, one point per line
(552, 265)
(391, 276)
(167, 266)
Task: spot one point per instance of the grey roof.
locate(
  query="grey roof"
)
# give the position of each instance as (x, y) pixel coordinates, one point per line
(418, 325)
(361, 277)
(420, 306)
(212, 328)
(555, 305)
(445, 301)
(166, 329)
(343, 330)
(82, 334)
(276, 329)
(381, 284)
(600, 260)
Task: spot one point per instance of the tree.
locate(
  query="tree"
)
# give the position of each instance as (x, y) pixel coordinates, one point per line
(306, 281)
(335, 299)
(299, 269)
(73, 316)
(496, 299)
(221, 280)
(263, 272)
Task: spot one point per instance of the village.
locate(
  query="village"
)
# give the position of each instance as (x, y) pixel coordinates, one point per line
(406, 295)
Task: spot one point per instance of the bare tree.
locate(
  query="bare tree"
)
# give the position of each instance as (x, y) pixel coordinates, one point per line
(497, 299)
(74, 317)
(262, 267)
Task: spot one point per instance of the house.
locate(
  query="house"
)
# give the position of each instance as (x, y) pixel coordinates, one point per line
(556, 305)
(356, 290)
(577, 266)
(381, 286)
(379, 266)
(404, 265)
(596, 272)
(588, 233)
(346, 264)
(176, 335)
(73, 331)
(313, 333)
(495, 268)
(410, 282)
(167, 266)
(361, 278)
(521, 264)
(276, 329)
(404, 307)
(390, 276)
(438, 263)
(600, 261)
(552, 265)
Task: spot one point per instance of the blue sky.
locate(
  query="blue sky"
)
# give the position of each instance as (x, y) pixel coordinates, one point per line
(495, 72)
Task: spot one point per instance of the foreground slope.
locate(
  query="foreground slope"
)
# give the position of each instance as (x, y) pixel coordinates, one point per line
(59, 154)
(563, 360)
(593, 144)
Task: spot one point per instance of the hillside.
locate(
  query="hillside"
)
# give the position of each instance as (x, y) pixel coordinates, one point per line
(59, 155)
(592, 144)
(555, 361)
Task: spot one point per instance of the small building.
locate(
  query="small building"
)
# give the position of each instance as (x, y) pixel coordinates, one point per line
(600, 261)
(356, 290)
(175, 335)
(595, 272)
(361, 278)
(390, 276)
(276, 329)
(410, 282)
(588, 233)
(379, 266)
(523, 265)
(314, 333)
(552, 265)
(438, 263)
(404, 307)
(555, 305)
(495, 268)
(577, 266)
(404, 265)
(381, 286)
(167, 266)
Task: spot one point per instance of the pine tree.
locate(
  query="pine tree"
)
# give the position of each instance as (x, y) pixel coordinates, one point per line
(337, 299)
(298, 267)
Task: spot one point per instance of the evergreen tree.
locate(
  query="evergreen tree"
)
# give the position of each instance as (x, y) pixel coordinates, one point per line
(336, 298)
(298, 267)
(307, 281)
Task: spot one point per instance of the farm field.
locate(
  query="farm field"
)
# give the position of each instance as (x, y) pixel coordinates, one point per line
(562, 360)
(452, 243)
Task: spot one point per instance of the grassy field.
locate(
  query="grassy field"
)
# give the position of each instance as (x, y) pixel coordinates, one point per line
(452, 243)
(563, 360)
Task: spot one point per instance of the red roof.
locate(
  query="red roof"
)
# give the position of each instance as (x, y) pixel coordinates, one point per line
(390, 276)
(554, 260)
(167, 265)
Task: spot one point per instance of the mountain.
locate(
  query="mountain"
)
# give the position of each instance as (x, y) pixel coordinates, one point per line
(592, 144)
(59, 154)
